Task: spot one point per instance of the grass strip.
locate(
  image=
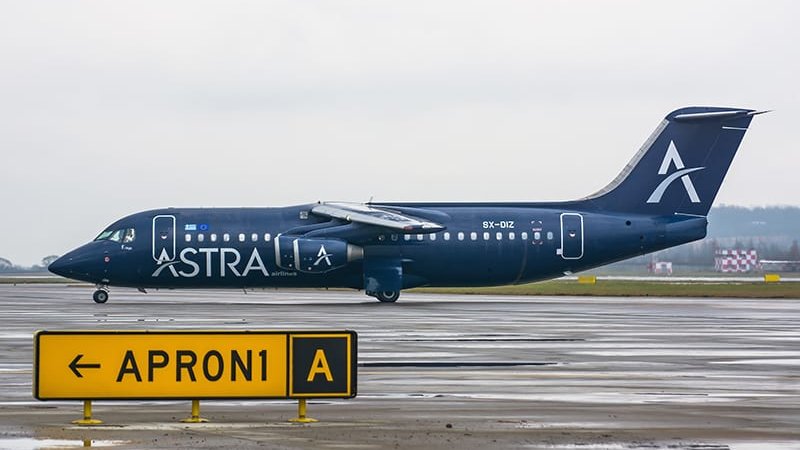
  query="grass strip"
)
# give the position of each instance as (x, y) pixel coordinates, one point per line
(619, 288)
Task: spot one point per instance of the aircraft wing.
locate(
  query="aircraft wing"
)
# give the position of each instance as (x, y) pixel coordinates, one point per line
(380, 217)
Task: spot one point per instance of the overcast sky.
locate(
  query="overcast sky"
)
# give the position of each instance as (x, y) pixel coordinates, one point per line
(111, 107)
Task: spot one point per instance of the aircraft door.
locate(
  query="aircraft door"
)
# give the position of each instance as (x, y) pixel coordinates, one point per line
(571, 236)
(164, 238)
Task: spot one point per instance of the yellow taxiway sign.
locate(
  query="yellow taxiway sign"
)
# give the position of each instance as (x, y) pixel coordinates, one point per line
(92, 365)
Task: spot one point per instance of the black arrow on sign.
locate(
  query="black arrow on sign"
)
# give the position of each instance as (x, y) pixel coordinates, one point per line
(74, 366)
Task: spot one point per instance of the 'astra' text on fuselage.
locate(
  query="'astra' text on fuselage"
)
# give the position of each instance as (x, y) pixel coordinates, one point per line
(213, 262)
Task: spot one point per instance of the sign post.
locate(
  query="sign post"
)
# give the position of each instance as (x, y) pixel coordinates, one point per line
(194, 365)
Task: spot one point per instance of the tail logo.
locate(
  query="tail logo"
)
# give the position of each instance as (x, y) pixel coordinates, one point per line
(673, 157)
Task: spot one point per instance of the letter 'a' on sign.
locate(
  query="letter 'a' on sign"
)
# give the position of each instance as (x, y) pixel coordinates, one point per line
(322, 365)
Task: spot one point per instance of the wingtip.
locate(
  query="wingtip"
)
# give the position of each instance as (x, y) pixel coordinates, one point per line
(755, 113)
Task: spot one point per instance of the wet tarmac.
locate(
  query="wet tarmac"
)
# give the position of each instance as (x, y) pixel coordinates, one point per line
(446, 371)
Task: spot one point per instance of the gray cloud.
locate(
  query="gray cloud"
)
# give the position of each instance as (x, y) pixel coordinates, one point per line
(112, 107)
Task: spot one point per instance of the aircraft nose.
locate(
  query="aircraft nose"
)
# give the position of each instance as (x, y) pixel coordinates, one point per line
(86, 263)
(62, 266)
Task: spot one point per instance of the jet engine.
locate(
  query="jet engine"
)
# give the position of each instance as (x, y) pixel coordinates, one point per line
(313, 255)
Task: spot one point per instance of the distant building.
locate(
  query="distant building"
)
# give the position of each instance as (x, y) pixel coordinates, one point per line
(660, 267)
(733, 261)
(779, 266)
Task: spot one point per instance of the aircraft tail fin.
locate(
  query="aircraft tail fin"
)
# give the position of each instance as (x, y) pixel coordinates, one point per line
(680, 168)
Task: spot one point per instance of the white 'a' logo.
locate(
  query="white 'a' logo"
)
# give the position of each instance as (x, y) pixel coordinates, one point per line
(323, 255)
(163, 257)
(672, 156)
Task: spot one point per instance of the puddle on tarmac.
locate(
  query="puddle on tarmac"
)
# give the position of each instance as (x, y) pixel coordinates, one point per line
(777, 445)
(23, 443)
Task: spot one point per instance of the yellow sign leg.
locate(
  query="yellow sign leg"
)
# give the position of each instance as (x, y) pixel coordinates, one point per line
(87, 415)
(301, 413)
(195, 414)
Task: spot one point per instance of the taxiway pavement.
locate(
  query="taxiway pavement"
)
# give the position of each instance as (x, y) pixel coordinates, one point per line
(447, 371)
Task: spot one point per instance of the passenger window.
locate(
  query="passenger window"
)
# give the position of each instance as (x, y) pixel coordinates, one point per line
(473, 236)
(446, 236)
(420, 237)
(433, 236)
(511, 236)
(549, 235)
(254, 237)
(241, 237)
(537, 236)
(485, 235)
(226, 237)
(394, 237)
(524, 235)
(188, 237)
(407, 237)
(267, 237)
(130, 236)
(460, 235)
(499, 236)
(201, 237)
(213, 237)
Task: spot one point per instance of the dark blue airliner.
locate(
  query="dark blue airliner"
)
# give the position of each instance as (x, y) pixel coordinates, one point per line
(659, 200)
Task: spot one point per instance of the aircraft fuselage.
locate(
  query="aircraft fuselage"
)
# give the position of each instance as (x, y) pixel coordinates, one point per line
(482, 245)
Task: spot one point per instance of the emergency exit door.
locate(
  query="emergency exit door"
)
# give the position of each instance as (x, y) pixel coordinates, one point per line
(164, 238)
(571, 236)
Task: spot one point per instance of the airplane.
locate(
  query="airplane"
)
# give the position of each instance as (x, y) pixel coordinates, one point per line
(660, 199)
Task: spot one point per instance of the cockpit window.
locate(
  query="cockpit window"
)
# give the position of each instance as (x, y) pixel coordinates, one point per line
(123, 235)
(116, 236)
(104, 235)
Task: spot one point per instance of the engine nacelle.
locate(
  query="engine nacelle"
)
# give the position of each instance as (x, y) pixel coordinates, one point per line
(313, 255)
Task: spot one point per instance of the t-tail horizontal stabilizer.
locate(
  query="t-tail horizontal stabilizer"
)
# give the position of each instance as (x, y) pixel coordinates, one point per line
(680, 168)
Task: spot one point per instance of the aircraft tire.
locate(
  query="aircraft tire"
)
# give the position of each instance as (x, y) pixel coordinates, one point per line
(100, 296)
(387, 296)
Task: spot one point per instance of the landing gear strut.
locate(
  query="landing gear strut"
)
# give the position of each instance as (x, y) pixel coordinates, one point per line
(100, 295)
(385, 296)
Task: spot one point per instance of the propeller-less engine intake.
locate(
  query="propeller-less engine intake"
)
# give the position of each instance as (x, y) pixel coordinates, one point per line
(311, 255)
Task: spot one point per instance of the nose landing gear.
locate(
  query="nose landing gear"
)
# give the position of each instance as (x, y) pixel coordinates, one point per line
(101, 294)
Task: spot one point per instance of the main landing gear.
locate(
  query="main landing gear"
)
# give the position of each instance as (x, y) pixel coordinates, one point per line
(385, 296)
(100, 295)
